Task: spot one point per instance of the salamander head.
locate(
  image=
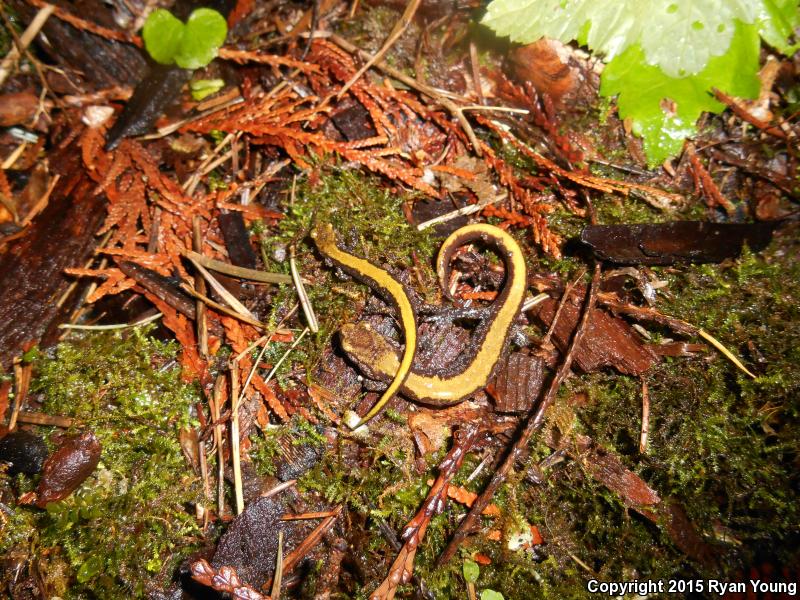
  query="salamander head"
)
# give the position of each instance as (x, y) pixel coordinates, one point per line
(369, 350)
(323, 235)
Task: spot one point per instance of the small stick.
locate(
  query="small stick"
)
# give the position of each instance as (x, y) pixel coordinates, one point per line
(112, 326)
(532, 423)
(645, 418)
(268, 336)
(15, 154)
(464, 210)
(505, 109)
(727, 353)
(305, 302)
(308, 516)
(214, 154)
(279, 488)
(531, 302)
(38, 418)
(22, 380)
(201, 321)
(235, 271)
(234, 429)
(476, 72)
(285, 355)
(296, 555)
(41, 203)
(215, 401)
(206, 479)
(222, 308)
(564, 298)
(276, 582)
(220, 289)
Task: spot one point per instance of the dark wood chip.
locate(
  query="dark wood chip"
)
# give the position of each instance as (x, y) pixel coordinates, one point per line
(237, 239)
(609, 341)
(518, 383)
(32, 267)
(680, 241)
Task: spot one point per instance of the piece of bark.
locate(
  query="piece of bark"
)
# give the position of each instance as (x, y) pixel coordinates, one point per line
(518, 383)
(609, 341)
(680, 241)
(97, 61)
(353, 121)
(551, 67)
(250, 544)
(32, 266)
(608, 469)
(18, 108)
(66, 469)
(162, 287)
(673, 518)
(237, 239)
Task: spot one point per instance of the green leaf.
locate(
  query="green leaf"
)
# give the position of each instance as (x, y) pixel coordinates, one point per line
(777, 22)
(201, 88)
(664, 109)
(680, 36)
(90, 568)
(162, 35)
(205, 33)
(491, 595)
(471, 570)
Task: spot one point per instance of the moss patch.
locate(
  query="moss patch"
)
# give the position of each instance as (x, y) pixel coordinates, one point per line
(129, 523)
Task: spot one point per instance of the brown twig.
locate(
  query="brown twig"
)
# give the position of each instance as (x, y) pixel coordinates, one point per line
(200, 286)
(25, 39)
(301, 551)
(234, 432)
(38, 418)
(434, 503)
(532, 423)
(741, 112)
(22, 381)
(703, 181)
(215, 402)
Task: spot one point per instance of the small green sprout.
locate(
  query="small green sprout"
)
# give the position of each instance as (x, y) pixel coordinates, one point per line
(189, 45)
(202, 88)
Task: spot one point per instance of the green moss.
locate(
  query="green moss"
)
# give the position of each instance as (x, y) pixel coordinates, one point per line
(130, 522)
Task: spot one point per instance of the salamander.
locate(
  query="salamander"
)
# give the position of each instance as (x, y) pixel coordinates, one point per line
(393, 291)
(379, 358)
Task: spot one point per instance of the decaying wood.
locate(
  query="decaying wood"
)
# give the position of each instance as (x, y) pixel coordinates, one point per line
(32, 267)
(609, 341)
